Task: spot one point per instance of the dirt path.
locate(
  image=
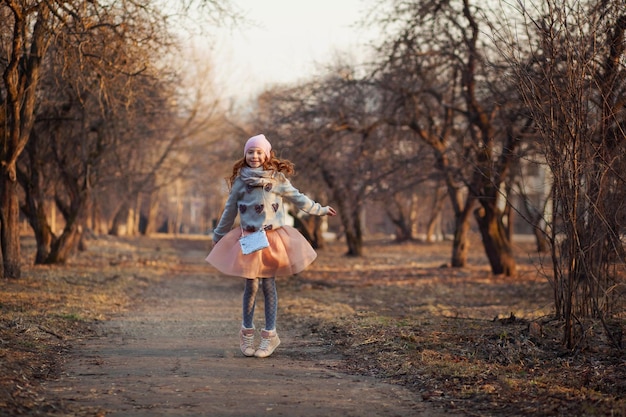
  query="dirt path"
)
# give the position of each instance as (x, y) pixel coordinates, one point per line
(176, 353)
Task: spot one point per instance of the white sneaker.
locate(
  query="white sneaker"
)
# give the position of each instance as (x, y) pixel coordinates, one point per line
(246, 341)
(269, 342)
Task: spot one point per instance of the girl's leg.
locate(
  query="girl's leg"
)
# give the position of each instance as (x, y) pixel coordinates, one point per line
(271, 302)
(269, 337)
(249, 302)
(246, 333)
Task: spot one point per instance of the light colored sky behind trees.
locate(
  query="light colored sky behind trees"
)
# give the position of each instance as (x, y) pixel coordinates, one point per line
(285, 41)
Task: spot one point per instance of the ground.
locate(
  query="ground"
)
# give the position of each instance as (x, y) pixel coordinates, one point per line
(456, 340)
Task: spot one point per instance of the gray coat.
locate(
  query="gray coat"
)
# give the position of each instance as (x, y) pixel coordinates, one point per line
(257, 196)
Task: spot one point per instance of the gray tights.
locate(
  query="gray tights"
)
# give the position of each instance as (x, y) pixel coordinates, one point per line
(271, 302)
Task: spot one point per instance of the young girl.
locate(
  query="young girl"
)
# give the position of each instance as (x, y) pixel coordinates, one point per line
(258, 186)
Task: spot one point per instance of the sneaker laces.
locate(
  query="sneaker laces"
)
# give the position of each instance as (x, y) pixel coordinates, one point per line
(265, 343)
(248, 340)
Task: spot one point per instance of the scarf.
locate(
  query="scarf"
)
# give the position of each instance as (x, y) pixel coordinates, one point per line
(256, 177)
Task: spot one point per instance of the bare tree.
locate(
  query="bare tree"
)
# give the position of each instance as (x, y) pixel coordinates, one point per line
(573, 81)
(34, 27)
(333, 128)
(451, 94)
(426, 93)
(31, 26)
(533, 190)
(433, 226)
(407, 208)
(92, 114)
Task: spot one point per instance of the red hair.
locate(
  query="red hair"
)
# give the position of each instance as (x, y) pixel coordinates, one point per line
(272, 164)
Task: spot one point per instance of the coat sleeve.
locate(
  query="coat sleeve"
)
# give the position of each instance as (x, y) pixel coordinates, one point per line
(229, 214)
(300, 200)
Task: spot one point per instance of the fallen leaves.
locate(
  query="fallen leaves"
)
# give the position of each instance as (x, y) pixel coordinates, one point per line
(461, 338)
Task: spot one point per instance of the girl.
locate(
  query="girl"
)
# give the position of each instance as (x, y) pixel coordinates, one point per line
(258, 186)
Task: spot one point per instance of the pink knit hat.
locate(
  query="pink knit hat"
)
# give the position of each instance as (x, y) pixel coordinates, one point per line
(258, 141)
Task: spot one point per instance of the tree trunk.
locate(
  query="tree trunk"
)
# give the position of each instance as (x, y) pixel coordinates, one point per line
(136, 216)
(43, 234)
(65, 245)
(414, 216)
(350, 215)
(435, 216)
(153, 211)
(396, 213)
(318, 233)
(1, 255)
(10, 224)
(120, 220)
(403, 230)
(21, 78)
(35, 204)
(305, 227)
(351, 221)
(311, 229)
(432, 228)
(460, 246)
(543, 246)
(99, 223)
(355, 244)
(495, 241)
(509, 215)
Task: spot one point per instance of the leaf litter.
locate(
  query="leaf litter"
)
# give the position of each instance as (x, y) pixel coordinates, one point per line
(459, 338)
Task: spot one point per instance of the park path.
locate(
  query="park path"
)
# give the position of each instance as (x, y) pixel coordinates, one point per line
(175, 353)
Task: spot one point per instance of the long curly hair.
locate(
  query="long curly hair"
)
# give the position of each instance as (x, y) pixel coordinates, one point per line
(272, 164)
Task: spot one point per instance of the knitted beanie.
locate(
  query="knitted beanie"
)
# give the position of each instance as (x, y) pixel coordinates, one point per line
(258, 141)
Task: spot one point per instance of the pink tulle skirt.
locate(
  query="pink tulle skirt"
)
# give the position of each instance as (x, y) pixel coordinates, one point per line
(288, 253)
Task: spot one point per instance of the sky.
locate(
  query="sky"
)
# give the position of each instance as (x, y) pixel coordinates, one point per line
(286, 41)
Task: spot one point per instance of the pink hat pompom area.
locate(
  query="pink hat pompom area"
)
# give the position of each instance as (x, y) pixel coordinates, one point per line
(258, 141)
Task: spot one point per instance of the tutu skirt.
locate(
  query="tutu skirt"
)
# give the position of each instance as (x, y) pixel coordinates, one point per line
(288, 253)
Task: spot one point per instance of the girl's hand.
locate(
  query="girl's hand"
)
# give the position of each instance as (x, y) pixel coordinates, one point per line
(331, 211)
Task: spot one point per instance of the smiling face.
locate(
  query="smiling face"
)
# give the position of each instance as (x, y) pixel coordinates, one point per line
(255, 157)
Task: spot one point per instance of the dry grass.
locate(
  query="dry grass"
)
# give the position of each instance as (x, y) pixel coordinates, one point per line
(52, 307)
(460, 338)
